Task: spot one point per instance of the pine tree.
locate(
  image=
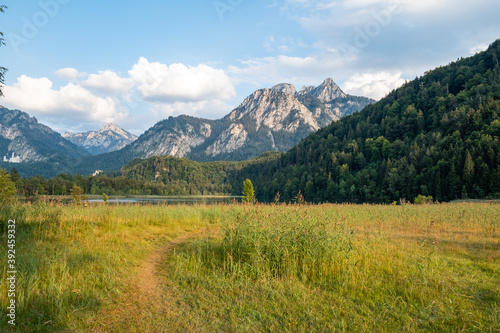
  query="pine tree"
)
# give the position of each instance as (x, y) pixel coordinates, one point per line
(468, 171)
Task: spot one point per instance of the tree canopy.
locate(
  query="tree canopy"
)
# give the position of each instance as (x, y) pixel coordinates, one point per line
(7, 187)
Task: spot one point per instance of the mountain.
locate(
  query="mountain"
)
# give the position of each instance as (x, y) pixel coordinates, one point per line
(327, 91)
(268, 120)
(108, 139)
(272, 119)
(31, 141)
(438, 136)
(37, 148)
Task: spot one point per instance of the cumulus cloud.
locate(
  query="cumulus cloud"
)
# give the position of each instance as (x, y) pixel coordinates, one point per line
(478, 48)
(70, 74)
(72, 101)
(151, 91)
(158, 82)
(373, 85)
(203, 109)
(298, 70)
(109, 82)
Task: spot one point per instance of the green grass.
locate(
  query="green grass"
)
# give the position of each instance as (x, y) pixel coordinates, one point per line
(352, 268)
(405, 268)
(74, 260)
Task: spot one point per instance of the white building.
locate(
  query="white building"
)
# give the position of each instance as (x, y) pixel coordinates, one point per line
(13, 159)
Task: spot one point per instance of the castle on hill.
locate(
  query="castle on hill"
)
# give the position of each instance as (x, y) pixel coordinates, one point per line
(13, 159)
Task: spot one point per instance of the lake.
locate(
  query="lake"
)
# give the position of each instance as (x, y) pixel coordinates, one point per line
(167, 200)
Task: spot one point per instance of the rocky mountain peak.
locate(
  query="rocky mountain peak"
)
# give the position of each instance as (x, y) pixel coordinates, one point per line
(286, 88)
(109, 138)
(113, 129)
(274, 110)
(326, 92)
(110, 127)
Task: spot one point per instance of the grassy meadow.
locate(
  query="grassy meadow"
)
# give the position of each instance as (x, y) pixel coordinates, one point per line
(254, 268)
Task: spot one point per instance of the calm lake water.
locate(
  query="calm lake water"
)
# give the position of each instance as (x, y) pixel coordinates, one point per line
(167, 200)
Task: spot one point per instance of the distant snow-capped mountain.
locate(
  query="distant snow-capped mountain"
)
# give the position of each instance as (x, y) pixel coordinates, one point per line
(108, 139)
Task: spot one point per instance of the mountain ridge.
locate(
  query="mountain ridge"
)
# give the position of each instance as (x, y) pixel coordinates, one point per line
(108, 139)
(438, 136)
(24, 136)
(269, 119)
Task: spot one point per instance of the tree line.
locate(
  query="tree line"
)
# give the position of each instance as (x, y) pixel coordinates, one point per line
(437, 136)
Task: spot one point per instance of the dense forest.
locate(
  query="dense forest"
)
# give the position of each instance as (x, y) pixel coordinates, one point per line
(165, 176)
(438, 135)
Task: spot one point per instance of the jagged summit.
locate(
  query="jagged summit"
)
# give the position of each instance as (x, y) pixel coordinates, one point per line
(286, 88)
(108, 139)
(270, 119)
(327, 91)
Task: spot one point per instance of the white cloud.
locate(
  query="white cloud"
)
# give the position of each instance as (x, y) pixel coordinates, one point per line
(158, 82)
(478, 48)
(374, 85)
(151, 92)
(72, 101)
(70, 74)
(283, 44)
(298, 70)
(109, 82)
(203, 109)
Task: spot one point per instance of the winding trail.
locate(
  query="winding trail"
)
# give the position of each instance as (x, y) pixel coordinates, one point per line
(145, 304)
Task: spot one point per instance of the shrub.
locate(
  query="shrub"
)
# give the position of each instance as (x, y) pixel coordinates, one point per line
(422, 200)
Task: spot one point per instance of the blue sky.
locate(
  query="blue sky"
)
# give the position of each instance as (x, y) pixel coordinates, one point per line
(76, 65)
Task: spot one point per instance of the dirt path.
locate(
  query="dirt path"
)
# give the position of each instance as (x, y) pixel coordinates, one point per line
(144, 305)
(149, 281)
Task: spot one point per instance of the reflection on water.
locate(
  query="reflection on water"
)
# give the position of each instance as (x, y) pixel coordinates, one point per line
(168, 200)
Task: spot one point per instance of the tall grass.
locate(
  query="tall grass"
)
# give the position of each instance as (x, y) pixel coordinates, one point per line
(74, 260)
(265, 268)
(285, 244)
(343, 268)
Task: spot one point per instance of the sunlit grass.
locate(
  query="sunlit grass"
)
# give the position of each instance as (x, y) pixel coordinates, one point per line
(73, 260)
(404, 268)
(353, 268)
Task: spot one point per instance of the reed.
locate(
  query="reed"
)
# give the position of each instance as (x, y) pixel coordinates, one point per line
(300, 268)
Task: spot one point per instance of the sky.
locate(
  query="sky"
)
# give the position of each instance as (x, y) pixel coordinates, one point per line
(77, 65)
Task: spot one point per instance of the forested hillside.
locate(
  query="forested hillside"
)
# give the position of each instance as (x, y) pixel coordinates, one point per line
(159, 175)
(437, 135)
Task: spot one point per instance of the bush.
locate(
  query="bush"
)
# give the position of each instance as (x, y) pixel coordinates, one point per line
(423, 200)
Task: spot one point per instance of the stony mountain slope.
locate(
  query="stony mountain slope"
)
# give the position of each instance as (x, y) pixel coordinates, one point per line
(437, 136)
(268, 120)
(108, 139)
(31, 141)
(272, 119)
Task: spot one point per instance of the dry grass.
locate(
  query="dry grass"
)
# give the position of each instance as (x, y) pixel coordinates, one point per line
(358, 269)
